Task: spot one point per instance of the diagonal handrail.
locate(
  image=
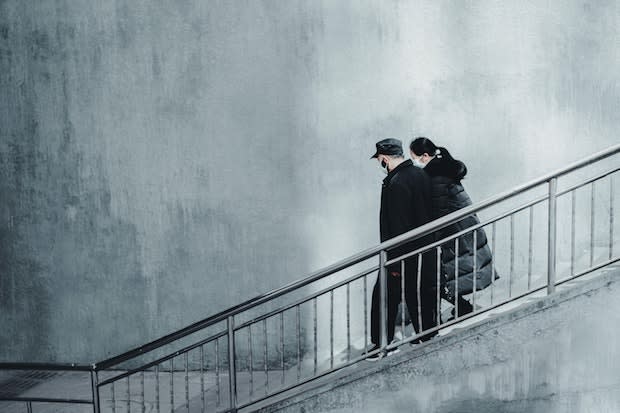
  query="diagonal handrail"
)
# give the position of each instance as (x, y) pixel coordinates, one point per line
(354, 259)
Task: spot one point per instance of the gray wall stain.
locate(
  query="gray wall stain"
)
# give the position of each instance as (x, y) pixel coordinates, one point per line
(162, 162)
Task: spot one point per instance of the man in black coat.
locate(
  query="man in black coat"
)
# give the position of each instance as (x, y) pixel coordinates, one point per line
(405, 205)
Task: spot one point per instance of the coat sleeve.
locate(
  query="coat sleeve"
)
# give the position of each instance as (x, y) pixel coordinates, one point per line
(400, 218)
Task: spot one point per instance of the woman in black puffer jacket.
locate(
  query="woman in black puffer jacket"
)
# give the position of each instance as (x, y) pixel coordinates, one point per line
(448, 195)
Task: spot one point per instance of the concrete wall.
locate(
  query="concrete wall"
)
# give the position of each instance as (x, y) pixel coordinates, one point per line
(560, 354)
(161, 161)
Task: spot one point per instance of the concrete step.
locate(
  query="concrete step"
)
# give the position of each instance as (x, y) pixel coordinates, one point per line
(559, 353)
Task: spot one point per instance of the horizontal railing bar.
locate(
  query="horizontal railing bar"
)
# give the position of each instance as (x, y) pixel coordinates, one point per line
(357, 258)
(362, 256)
(163, 359)
(589, 270)
(310, 379)
(499, 217)
(391, 346)
(492, 307)
(44, 400)
(45, 366)
(307, 298)
(412, 338)
(589, 181)
(465, 317)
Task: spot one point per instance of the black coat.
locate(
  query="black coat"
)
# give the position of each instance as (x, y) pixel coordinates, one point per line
(405, 205)
(448, 195)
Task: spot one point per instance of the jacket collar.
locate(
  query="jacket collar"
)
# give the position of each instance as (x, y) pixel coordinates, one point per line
(394, 171)
(452, 169)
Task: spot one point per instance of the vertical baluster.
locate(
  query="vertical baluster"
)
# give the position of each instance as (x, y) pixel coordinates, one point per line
(475, 270)
(113, 397)
(202, 378)
(251, 368)
(438, 286)
(572, 232)
(282, 345)
(456, 278)
(315, 336)
(551, 244)
(611, 216)
(383, 298)
(187, 381)
(143, 409)
(298, 321)
(157, 404)
(402, 297)
(217, 372)
(530, 248)
(265, 356)
(512, 254)
(172, 385)
(493, 237)
(128, 395)
(348, 322)
(29, 407)
(592, 214)
(365, 312)
(419, 296)
(232, 368)
(94, 378)
(331, 329)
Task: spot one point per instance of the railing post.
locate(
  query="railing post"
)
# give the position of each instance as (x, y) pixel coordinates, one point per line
(551, 244)
(383, 296)
(94, 382)
(232, 370)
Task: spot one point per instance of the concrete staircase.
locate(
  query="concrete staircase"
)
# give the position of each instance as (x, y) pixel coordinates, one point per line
(558, 353)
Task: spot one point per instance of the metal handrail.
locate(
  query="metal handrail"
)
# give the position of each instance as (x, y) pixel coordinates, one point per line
(50, 367)
(46, 366)
(45, 400)
(501, 216)
(355, 259)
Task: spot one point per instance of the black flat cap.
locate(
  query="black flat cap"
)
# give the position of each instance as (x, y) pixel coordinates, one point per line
(388, 146)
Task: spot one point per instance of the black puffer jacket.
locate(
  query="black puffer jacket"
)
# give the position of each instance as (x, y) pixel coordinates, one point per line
(448, 195)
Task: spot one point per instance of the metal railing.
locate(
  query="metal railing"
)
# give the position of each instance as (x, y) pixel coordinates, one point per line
(29, 386)
(310, 328)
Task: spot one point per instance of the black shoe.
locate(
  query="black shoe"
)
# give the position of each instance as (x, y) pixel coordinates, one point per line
(465, 307)
(373, 357)
(425, 338)
(381, 354)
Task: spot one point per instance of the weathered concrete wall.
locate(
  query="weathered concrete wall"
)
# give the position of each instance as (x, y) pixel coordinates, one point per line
(558, 355)
(160, 161)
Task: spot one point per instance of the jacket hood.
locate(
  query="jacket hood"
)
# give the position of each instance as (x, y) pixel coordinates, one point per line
(449, 168)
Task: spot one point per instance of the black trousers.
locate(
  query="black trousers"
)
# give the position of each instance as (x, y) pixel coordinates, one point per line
(428, 298)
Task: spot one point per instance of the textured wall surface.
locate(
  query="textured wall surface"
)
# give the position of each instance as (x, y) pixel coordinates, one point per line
(161, 161)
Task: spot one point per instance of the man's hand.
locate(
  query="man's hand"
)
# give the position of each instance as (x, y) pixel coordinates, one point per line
(395, 274)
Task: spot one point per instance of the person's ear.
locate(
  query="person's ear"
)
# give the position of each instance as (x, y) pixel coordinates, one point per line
(383, 160)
